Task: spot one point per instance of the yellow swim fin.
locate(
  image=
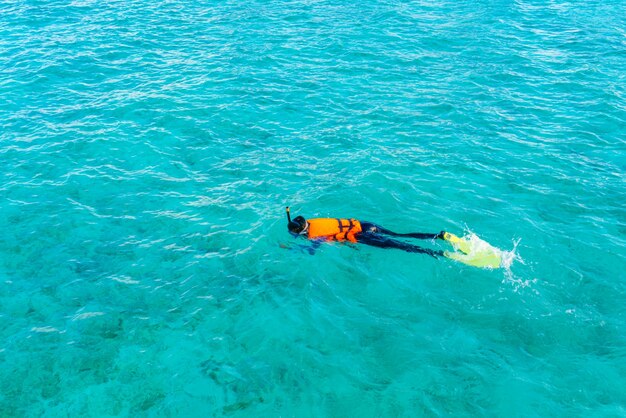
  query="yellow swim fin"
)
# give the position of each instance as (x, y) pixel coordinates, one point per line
(472, 251)
(487, 259)
(458, 243)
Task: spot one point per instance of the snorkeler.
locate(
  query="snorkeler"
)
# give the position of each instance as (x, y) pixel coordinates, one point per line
(334, 229)
(354, 231)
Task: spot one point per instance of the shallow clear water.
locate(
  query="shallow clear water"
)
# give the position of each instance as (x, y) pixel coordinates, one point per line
(149, 149)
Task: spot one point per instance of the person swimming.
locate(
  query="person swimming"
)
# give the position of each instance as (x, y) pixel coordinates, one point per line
(363, 232)
(368, 233)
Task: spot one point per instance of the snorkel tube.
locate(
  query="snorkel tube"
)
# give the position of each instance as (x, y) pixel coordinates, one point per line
(288, 215)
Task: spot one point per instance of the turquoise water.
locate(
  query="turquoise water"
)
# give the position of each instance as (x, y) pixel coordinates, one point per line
(149, 149)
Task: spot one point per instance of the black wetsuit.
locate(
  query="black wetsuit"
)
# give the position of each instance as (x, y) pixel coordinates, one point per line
(377, 236)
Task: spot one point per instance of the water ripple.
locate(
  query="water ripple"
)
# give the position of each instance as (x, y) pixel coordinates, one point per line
(149, 150)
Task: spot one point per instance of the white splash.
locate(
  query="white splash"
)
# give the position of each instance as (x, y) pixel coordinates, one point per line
(474, 251)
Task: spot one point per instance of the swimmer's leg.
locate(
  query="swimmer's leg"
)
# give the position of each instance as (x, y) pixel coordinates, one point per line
(377, 229)
(382, 242)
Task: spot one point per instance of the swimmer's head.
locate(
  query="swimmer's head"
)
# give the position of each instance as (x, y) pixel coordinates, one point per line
(298, 225)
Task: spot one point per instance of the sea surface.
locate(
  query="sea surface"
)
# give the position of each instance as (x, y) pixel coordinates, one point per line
(148, 151)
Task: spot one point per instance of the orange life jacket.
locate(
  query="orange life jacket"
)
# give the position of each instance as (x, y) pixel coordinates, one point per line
(334, 229)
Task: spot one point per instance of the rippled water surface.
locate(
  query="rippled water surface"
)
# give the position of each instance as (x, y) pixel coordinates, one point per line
(148, 150)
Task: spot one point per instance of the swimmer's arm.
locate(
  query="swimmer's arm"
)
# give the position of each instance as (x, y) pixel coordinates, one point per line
(315, 244)
(309, 248)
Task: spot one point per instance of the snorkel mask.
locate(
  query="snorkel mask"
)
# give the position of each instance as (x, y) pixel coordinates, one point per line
(297, 226)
